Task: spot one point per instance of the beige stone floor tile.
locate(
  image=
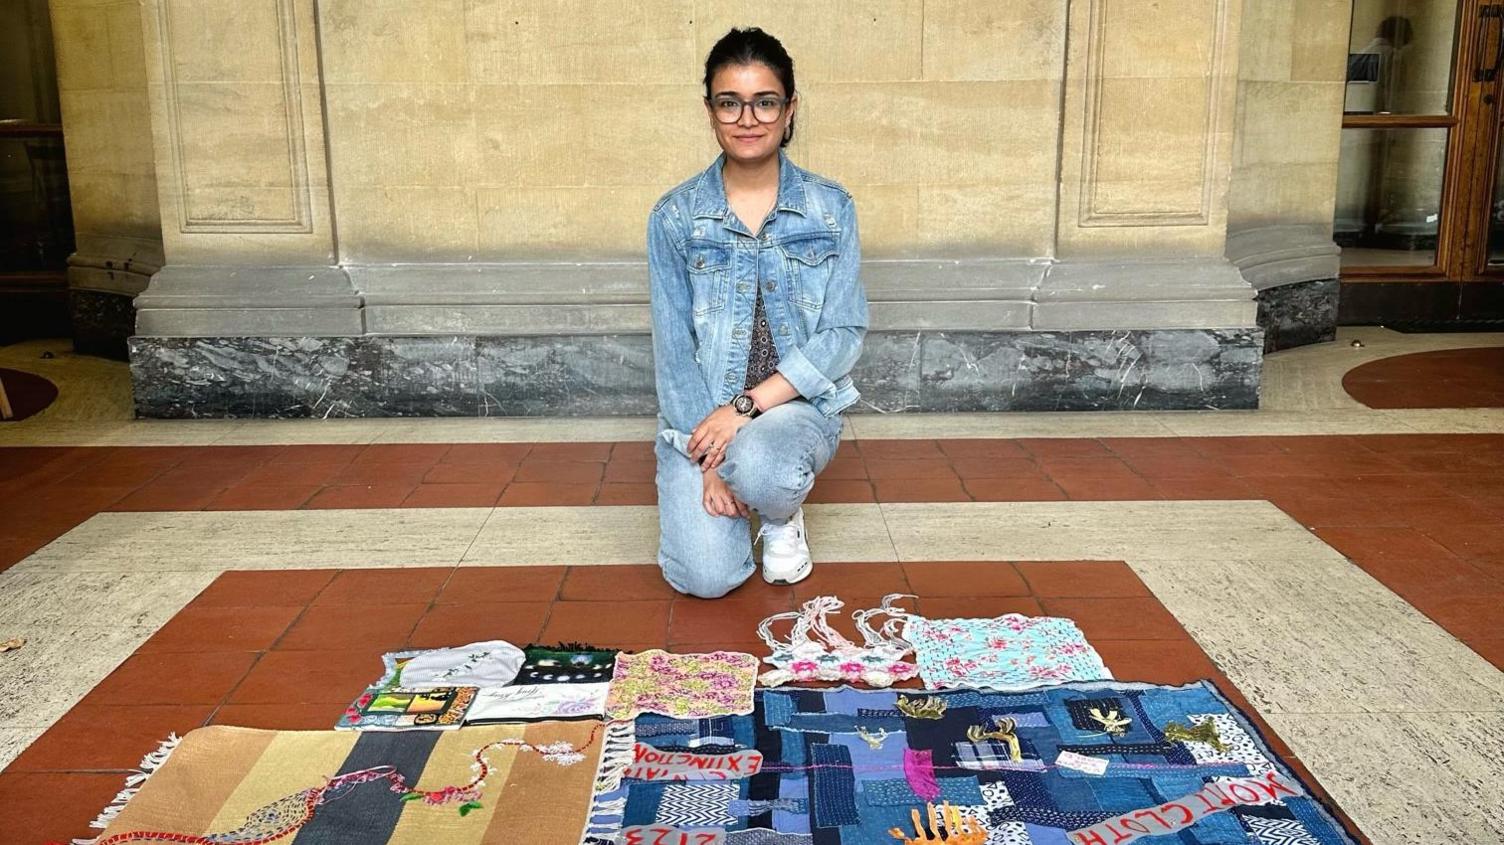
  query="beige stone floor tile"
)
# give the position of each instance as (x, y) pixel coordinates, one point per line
(1407, 778)
(38, 598)
(221, 540)
(513, 430)
(299, 432)
(1317, 636)
(58, 666)
(1030, 424)
(15, 740)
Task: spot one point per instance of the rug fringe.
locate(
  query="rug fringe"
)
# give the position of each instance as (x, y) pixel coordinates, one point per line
(133, 783)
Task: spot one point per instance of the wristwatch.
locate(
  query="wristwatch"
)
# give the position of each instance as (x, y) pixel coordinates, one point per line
(742, 403)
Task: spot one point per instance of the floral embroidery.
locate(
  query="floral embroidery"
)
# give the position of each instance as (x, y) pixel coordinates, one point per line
(814, 651)
(1008, 652)
(682, 686)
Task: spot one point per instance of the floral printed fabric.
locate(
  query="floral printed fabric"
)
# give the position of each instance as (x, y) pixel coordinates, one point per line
(1010, 652)
(683, 686)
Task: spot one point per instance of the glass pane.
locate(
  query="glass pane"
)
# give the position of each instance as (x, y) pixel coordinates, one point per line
(36, 223)
(1400, 57)
(1389, 196)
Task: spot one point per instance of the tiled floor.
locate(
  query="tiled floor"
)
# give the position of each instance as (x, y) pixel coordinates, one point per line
(1449, 378)
(289, 649)
(173, 574)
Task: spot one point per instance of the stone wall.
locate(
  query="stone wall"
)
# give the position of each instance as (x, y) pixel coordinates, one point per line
(112, 175)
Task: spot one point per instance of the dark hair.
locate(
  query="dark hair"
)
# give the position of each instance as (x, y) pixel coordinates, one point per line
(752, 46)
(1396, 29)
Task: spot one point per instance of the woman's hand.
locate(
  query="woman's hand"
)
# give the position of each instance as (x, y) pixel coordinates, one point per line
(718, 498)
(708, 442)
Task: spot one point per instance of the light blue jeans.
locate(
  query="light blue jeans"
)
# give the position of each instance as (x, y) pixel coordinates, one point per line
(771, 465)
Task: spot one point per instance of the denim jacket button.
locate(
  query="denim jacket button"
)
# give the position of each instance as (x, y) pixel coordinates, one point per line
(783, 329)
(699, 262)
(769, 286)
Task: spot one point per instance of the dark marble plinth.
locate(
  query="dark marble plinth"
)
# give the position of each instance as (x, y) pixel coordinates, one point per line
(611, 375)
(101, 322)
(1298, 314)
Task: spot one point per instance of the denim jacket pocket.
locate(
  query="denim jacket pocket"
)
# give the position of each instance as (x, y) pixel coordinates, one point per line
(809, 259)
(709, 268)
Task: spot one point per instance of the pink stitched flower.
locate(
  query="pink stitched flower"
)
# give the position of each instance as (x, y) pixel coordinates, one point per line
(804, 667)
(851, 668)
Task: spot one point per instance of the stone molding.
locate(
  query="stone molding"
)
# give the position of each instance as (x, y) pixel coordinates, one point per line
(610, 297)
(1270, 256)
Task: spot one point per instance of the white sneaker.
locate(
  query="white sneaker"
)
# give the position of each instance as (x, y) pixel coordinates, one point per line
(785, 553)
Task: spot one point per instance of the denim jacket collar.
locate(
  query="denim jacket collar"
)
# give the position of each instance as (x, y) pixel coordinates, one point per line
(710, 193)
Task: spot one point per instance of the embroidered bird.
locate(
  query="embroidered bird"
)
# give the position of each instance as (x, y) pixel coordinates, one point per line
(1112, 722)
(930, 707)
(947, 824)
(875, 741)
(1206, 732)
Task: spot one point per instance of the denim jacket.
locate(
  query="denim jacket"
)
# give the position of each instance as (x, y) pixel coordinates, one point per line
(702, 265)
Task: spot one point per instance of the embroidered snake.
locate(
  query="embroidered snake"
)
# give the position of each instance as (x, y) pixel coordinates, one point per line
(288, 815)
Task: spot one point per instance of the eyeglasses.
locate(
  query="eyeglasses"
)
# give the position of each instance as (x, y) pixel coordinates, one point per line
(765, 109)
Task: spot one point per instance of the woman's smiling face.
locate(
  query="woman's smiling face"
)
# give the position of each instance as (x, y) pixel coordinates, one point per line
(748, 140)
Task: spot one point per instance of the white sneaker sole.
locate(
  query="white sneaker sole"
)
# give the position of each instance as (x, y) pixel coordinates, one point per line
(799, 575)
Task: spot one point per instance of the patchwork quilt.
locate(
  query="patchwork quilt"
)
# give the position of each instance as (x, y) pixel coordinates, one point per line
(1074, 764)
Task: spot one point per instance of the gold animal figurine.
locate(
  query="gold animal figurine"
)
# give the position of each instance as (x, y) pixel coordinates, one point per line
(875, 741)
(946, 825)
(930, 707)
(1004, 733)
(1112, 722)
(1205, 732)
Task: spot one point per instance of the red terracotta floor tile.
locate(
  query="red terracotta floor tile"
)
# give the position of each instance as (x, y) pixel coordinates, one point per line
(446, 625)
(560, 471)
(48, 807)
(632, 450)
(631, 471)
(1172, 661)
(726, 619)
(627, 494)
(894, 468)
(538, 494)
(1028, 489)
(1226, 446)
(488, 584)
(174, 497)
(1117, 618)
(1007, 468)
(282, 717)
(393, 454)
(309, 677)
(1468, 541)
(1183, 465)
(476, 473)
(1490, 649)
(921, 490)
(108, 736)
(1063, 447)
(1081, 579)
(1468, 614)
(360, 496)
(845, 469)
(210, 475)
(271, 497)
(840, 490)
(221, 629)
(607, 623)
(334, 627)
(857, 578)
(592, 452)
(964, 578)
(175, 678)
(963, 607)
(899, 450)
(331, 453)
(486, 453)
(316, 474)
(1365, 544)
(294, 588)
(360, 587)
(454, 495)
(1205, 488)
(962, 450)
(1083, 489)
(608, 583)
(368, 473)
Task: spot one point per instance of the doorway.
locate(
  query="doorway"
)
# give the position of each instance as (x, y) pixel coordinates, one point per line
(1420, 191)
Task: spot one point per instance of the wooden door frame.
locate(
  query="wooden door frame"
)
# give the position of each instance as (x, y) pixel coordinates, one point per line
(1472, 124)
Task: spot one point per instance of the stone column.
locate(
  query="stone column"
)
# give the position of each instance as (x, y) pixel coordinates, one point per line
(238, 134)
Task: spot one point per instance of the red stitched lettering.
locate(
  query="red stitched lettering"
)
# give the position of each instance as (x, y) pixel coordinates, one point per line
(1089, 837)
(1182, 808)
(1274, 786)
(1158, 819)
(1243, 793)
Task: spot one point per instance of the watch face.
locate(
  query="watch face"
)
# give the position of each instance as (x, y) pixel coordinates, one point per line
(742, 404)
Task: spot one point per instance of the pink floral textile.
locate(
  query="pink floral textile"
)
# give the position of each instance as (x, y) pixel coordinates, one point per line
(1009, 652)
(682, 686)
